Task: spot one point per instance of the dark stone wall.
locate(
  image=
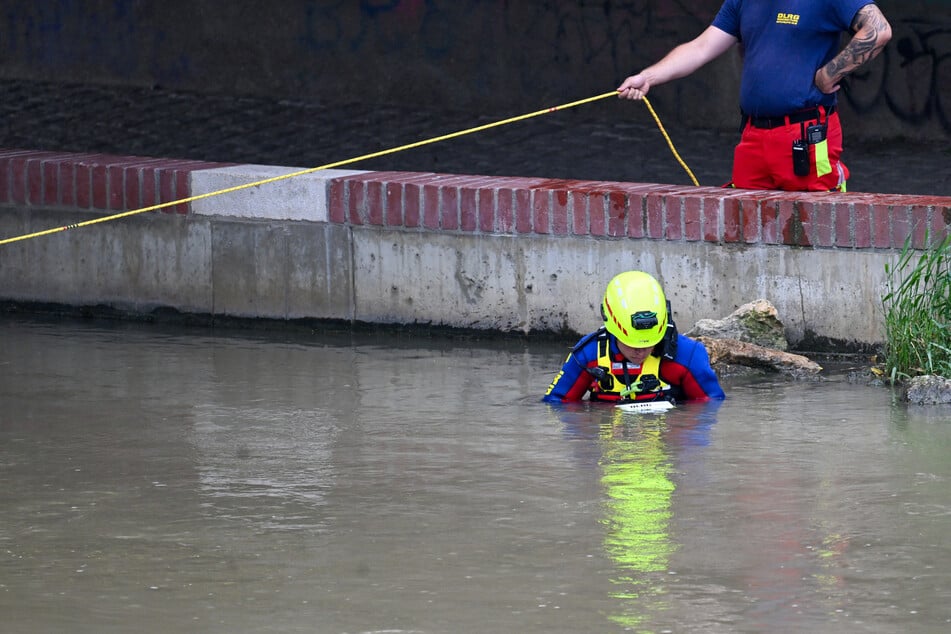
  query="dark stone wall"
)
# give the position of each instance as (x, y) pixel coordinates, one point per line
(491, 57)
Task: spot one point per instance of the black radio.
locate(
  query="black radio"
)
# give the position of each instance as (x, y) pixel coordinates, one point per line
(800, 158)
(816, 133)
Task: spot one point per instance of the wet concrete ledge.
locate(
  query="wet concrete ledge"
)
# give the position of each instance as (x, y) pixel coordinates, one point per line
(510, 255)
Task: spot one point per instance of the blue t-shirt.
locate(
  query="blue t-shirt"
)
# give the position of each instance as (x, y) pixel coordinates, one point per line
(784, 43)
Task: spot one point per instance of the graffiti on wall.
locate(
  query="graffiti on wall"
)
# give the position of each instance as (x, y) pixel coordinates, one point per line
(490, 47)
(500, 51)
(111, 38)
(913, 77)
(537, 36)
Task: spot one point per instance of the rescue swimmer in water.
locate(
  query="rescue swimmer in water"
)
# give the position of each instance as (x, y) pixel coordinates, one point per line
(637, 356)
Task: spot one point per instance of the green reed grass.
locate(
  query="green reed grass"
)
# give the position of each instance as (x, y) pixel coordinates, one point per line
(917, 307)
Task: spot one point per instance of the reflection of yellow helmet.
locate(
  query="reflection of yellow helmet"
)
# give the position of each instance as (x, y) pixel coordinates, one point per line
(635, 309)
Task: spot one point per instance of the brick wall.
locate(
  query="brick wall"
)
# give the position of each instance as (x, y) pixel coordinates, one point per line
(513, 206)
(95, 182)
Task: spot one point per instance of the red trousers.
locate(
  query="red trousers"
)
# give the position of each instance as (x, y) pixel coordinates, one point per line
(763, 159)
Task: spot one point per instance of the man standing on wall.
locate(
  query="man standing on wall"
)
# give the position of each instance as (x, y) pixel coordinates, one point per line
(791, 136)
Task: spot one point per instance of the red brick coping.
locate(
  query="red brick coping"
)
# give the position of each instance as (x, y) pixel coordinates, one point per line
(97, 182)
(508, 205)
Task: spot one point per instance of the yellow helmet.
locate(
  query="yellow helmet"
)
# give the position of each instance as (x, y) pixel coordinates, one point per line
(635, 309)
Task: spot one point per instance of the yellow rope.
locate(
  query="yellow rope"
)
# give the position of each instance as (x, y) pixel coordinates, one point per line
(670, 143)
(363, 157)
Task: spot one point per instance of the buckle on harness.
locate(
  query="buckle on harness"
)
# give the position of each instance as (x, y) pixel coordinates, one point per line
(648, 383)
(604, 378)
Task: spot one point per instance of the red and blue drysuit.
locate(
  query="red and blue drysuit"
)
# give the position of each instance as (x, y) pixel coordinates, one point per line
(784, 43)
(678, 370)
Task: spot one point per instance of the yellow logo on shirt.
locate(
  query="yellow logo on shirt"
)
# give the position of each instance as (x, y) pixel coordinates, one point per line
(787, 18)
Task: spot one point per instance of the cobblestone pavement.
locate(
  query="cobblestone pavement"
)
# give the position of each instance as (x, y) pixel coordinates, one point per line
(607, 140)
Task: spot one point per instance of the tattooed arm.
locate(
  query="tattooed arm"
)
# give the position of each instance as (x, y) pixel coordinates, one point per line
(872, 33)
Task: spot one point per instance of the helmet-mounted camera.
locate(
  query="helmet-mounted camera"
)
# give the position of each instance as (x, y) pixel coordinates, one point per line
(643, 320)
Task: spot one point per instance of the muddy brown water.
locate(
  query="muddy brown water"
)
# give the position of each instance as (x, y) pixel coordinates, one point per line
(155, 479)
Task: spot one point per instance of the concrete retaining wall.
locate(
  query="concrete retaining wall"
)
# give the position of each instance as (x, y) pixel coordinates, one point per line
(500, 254)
